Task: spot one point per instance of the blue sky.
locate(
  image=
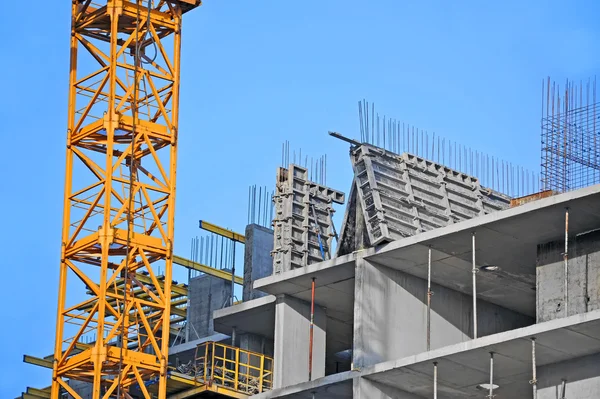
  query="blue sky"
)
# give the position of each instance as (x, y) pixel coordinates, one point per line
(255, 74)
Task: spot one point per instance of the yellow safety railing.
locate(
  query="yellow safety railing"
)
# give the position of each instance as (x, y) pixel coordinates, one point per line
(234, 368)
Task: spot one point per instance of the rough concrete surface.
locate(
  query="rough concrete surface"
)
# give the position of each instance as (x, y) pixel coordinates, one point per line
(583, 270)
(581, 376)
(257, 259)
(206, 294)
(292, 326)
(390, 315)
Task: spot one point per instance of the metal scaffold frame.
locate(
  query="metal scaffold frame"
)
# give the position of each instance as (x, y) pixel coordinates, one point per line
(119, 196)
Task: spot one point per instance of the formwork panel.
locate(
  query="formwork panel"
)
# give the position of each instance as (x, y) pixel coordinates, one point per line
(302, 206)
(403, 195)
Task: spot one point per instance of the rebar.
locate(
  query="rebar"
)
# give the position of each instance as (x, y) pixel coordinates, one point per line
(400, 137)
(570, 156)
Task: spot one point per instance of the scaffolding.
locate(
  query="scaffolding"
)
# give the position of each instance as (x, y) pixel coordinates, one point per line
(570, 139)
(228, 370)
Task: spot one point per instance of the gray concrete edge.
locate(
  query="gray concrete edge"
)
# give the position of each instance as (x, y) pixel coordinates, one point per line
(525, 332)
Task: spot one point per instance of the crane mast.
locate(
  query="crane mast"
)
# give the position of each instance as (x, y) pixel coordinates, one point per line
(112, 329)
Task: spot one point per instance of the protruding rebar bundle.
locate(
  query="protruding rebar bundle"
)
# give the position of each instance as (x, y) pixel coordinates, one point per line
(570, 155)
(398, 137)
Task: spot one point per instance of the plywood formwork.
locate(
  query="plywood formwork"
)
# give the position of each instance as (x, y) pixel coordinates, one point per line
(298, 202)
(395, 196)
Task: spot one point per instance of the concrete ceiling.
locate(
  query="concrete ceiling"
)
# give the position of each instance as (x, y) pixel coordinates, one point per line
(464, 366)
(507, 239)
(256, 316)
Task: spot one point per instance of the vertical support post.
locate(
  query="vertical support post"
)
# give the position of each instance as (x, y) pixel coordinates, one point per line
(233, 275)
(261, 373)
(435, 380)
(312, 326)
(237, 369)
(233, 336)
(429, 293)
(474, 289)
(491, 395)
(533, 381)
(566, 262)
(563, 389)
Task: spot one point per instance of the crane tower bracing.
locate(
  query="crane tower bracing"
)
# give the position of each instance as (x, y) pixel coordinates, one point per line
(119, 196)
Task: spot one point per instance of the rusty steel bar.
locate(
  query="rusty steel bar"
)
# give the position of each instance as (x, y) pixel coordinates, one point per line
(474, 271)
(429, 293)
(311, 332)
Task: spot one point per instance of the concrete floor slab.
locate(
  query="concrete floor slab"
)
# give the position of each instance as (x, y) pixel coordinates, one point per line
(463, 366)
(256, 316)
(506, 239)
(337, 386)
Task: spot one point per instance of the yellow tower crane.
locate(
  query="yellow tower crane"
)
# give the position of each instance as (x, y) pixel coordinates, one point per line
(119, 197)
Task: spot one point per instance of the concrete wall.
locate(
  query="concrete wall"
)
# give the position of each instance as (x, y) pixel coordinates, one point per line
(257, 259)
(582, 377)
(583, 277)
(390, 315)
(206, 294)
(256, 343)
(364, 388)
(82, 388)
(292, 325)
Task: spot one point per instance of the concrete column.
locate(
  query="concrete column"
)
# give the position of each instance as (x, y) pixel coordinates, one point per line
(363, 388)
(206, 294)
(258, 262)
(581, 376)
(292, 325)
(390, 315)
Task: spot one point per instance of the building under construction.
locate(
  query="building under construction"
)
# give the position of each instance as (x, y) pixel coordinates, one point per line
(453, 274)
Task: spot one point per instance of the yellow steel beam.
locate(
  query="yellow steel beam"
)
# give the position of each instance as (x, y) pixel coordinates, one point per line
(179, 289)
(37, 361)
(222, 274)
(213, 228)
(79, 347)
(188, 393)
(40, 393)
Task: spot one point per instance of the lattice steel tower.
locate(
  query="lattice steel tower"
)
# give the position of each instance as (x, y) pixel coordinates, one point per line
(113, 307)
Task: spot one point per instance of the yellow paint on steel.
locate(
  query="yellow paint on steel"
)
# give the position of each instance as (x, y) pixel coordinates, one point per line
(119, 197)
(40, 393)
(222, 274)
(233, 369)
(37, 361)
(213, 228)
